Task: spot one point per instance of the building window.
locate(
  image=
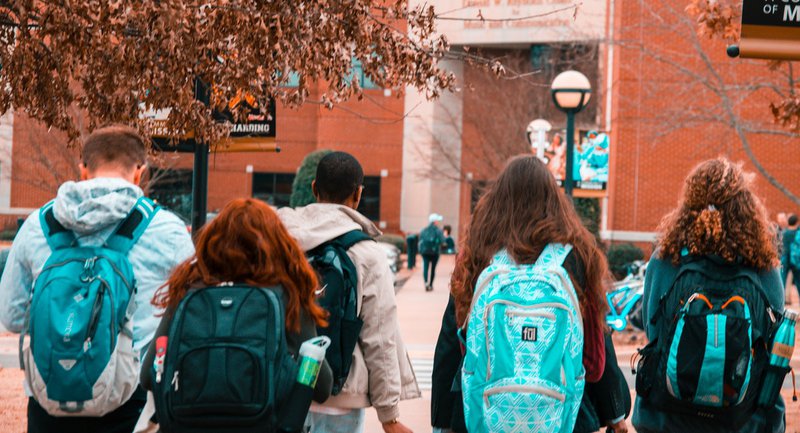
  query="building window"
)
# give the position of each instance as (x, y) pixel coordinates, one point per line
(370, 205)
(172, 189)
(273, 188)
(363, 78)
(540, 57)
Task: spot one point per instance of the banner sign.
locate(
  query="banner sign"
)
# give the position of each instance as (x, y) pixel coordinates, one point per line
(770, 29)
(256, 134)
(590, 165)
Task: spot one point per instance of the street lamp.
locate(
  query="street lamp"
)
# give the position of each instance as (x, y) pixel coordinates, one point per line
(540, 128)
(571, 91)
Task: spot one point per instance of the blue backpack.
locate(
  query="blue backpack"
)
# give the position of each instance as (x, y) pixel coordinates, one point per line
(523, 368)
(78, 356)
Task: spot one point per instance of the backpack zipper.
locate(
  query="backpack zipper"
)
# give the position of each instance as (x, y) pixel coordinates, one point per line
(174, 382)
(523, 389)
(94, 319)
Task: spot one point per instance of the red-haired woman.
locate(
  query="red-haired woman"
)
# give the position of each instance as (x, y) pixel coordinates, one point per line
(247, 244)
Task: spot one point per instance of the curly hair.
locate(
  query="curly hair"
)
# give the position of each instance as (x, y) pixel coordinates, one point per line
(718, 214)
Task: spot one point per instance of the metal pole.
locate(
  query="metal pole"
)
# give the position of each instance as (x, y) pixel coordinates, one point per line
(568, 180)
(199, 186)
(200, 174)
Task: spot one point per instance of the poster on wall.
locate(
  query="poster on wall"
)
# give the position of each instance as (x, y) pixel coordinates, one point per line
(591, 159)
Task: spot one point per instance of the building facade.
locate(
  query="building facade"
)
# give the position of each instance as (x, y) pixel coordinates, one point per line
(666, 98)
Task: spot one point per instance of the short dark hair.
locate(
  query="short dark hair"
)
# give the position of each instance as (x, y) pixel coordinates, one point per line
(115, 145)
(339, 175)
(792, 219)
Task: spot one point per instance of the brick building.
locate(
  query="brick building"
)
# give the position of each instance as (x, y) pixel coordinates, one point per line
(667, 98)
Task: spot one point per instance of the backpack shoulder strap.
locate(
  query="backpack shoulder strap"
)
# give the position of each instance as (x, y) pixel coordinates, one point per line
(57, 235)
(347, 240)
(553, 256)
(133, 226)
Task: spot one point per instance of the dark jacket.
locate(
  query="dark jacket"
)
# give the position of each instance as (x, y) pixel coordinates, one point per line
(308, 330)
(447, 408)
(606, 400)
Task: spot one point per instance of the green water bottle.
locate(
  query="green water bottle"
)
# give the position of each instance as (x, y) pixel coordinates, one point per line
(312, 355)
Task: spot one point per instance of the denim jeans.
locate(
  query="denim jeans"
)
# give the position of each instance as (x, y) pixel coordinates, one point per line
(352, 422)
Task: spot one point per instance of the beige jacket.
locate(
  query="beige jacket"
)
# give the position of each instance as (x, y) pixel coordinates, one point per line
(381, 373)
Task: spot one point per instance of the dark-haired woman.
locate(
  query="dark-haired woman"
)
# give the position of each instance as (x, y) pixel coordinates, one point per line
(718, 219)
(247, 244)
(522, 212)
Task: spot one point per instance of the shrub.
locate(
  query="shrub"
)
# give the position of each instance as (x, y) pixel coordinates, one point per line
(620, 256)
(396, 240)
(589, 211)
(301, 187)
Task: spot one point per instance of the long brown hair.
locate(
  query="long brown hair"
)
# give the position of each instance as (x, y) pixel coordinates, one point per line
(523, 211)
(718, 214)
(247, 243)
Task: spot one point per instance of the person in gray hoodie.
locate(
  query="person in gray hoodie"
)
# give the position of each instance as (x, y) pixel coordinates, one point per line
(381, 373)
(113, 161)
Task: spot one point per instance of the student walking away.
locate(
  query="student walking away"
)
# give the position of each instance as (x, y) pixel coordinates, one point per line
(712, 301)
(370, 364)
(528, 290)
(219, 363)
(790, 256)
(97, 254)
(431, 240)
(449, 246)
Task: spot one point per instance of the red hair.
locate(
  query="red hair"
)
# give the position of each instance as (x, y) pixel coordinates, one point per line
(247, 243)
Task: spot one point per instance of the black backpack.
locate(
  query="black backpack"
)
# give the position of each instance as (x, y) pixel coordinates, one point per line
(430, 240)
(710, 357)
(227, 366)
(339, 281)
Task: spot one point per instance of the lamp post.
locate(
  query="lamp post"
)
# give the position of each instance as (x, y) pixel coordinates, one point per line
(540, 128)
(571, 91)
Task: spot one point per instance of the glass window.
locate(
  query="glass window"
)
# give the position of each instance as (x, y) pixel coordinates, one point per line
(172, 189)
(363, 78)
(273, 188)
(370, 205)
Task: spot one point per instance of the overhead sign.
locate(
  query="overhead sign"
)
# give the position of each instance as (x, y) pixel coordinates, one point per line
(255, 134)
(770, 29)
(491, 22)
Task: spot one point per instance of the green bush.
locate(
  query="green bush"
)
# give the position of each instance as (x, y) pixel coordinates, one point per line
(301, 187)
(620, 256)
(589, 211)
(396, 240)
(7, 235)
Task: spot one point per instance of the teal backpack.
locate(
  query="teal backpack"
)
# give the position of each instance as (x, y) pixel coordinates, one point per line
(77, 343)
(523, 368)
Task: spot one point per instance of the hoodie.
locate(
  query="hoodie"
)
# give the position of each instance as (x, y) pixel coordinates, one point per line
(92, 209)
(381, 373)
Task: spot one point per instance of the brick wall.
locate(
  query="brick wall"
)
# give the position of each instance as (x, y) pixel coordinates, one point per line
(371, 129)
(665, 121)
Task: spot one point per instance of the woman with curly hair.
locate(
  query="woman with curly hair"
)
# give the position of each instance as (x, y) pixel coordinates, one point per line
(719, 232)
